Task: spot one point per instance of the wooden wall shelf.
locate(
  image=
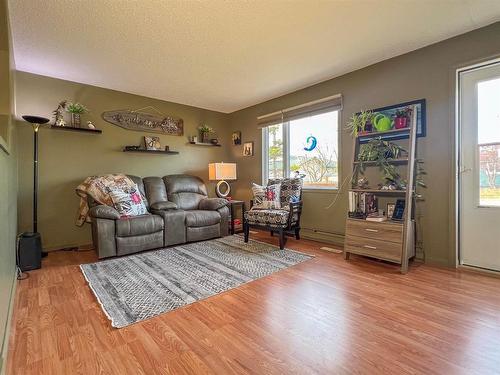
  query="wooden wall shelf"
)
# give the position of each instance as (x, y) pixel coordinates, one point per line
(204, 144)
(153, 151)
(73, 129)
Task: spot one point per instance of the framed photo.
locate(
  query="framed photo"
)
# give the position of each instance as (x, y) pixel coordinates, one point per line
(236, 137)
(152, 143)
(248, 149)
(390, 210)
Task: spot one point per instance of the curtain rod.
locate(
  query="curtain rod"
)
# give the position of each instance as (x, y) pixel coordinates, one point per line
(300, 106)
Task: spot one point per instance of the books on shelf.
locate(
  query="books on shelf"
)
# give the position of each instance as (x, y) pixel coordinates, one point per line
(368, 203)
(362, 203)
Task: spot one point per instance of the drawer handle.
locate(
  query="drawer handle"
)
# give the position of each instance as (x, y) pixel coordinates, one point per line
(371, 230)
(370, 247)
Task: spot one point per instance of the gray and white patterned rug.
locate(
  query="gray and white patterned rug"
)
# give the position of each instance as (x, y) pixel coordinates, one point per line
(141, 286)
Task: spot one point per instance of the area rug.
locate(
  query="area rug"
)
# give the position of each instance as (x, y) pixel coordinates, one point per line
(141, 286)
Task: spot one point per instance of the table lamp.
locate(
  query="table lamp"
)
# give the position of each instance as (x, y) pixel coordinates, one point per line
(222, 172)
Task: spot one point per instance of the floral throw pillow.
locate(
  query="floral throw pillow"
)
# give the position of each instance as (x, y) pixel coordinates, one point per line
(128, 202)
(266, 197)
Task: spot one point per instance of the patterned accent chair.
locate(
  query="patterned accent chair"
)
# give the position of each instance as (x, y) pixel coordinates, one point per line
(285, 220)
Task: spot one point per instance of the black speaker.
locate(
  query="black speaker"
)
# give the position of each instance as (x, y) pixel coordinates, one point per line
(29, 251)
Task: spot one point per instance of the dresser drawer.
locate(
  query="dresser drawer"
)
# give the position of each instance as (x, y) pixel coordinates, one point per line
(391, 232)
(380, 249)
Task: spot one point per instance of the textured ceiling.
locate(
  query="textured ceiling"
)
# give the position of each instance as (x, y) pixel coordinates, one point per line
(226, 55)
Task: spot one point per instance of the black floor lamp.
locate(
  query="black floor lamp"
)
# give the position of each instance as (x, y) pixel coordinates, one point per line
(34, 237)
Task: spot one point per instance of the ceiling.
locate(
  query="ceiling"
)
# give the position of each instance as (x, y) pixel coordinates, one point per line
(226, 55)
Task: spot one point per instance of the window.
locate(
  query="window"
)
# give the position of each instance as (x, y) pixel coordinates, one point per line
(306, 145)
(488, 116)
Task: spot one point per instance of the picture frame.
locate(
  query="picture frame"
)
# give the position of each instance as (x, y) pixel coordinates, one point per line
(399, 210)
(390, 210)
(390, 110)
(152, 143)
(236, 138)
(248, 149)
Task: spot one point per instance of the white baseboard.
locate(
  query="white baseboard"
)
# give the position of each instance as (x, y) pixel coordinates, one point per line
(327, 237)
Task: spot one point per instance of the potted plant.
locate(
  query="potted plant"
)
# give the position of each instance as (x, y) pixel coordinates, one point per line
(381, 153)
(76, 110)
(360, 123)
(402, 118)
(205, 132)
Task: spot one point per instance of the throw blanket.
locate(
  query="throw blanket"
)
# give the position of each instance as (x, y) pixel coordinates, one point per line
(98, 188)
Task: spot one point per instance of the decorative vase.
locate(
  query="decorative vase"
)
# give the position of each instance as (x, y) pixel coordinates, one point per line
(76, 120)
(204, 137)
(400, 122)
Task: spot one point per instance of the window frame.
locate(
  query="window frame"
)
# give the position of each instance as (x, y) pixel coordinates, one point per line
(286, 154)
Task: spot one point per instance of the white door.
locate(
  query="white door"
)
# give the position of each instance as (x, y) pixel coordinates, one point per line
(480, 167)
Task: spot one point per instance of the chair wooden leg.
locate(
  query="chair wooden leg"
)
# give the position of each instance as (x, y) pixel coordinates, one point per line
(246, 230)
(297, 233)
(282, 239)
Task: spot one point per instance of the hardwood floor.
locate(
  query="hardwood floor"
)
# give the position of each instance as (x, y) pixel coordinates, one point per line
(324, 316)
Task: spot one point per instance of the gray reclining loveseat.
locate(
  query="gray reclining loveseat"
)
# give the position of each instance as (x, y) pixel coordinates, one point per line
(179, 211)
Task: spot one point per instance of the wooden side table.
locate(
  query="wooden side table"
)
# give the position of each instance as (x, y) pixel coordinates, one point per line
(233, 206)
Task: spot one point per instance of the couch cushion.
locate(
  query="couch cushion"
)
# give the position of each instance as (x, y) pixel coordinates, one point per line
(185, 191)
(200, 218)
(155, 190)
(139, 225)
(273, 218)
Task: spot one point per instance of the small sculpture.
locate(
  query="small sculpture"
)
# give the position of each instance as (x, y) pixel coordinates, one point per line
(362, 183)
(58, 114)
(90, 125)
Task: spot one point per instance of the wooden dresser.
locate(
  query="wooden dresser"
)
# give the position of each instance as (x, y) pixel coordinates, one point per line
(381, 240)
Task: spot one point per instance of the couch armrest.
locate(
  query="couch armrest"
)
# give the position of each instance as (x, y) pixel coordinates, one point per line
(165, 205)
(104, 212)
(212, 204)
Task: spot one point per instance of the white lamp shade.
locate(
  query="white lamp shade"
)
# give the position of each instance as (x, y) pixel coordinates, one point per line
(221, 171)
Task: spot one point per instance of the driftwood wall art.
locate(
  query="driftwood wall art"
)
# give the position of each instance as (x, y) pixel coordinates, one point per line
(145, 122)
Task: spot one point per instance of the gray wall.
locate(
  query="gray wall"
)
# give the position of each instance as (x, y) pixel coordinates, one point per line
(8, 183)
(426, 73)
(67, 158)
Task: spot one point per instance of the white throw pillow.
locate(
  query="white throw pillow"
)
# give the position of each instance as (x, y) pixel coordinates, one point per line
(128, 202)
(266, 197)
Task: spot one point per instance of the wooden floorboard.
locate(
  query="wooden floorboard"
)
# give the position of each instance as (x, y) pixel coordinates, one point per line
(323, 316)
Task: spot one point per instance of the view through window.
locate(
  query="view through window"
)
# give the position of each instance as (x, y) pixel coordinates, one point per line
(488, 95)
(307, 146)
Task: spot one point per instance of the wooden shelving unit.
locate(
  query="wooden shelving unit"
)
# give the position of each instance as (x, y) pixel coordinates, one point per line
(378, 191)
(153, 151)
(387, 240)
(73, 129)
(204, 144)
(386, 134)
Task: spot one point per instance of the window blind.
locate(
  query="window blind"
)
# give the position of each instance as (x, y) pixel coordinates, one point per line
(316, 107)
